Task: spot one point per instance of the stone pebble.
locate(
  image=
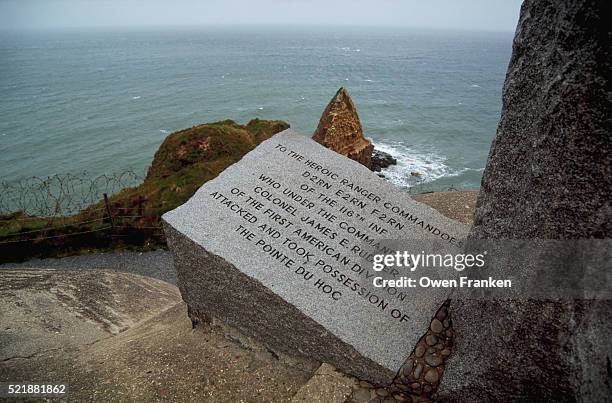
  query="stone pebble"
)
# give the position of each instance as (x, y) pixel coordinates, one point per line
(408, 368)
(436, 326)
(442, 313)
(432, 360)
(361, 395)
(431, 340)
(421, 373)
(432, 376)
(365, 384)
(382, 392)
(417, 371)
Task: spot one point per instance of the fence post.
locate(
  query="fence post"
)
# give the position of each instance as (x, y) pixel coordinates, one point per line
(140, 201)
(108, 211)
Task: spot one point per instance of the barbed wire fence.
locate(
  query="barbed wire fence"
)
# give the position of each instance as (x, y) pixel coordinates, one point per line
(40, 214)
(61, 194)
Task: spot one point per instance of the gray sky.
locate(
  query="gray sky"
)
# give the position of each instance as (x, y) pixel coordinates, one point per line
(495, 15)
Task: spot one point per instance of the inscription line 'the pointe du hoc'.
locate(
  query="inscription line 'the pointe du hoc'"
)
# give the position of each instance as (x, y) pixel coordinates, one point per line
(278, 246)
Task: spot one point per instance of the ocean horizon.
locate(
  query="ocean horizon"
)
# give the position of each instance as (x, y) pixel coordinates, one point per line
(102, 100)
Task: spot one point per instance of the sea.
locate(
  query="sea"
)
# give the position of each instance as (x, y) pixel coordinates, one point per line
(101, 101)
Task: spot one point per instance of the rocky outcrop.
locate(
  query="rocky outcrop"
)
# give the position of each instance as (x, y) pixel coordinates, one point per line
(340, 130)
(381, 160)
(547, 177)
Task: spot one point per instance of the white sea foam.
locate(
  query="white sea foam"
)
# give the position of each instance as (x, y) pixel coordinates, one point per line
(163, 131)
(138, 97)
(476, 86)
(429, 165)
(349, 49)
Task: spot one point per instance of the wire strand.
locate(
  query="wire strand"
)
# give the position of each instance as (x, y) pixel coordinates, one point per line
(56, 236)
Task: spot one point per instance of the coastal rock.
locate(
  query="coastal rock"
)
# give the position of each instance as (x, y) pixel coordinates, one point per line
(381, 160)
(340, 130)
(547, 177)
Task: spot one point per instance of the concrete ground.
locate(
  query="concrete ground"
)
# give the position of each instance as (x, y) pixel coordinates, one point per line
(124, 337)
(157, 264)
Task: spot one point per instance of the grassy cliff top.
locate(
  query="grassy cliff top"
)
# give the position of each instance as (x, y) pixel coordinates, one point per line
(188, 158)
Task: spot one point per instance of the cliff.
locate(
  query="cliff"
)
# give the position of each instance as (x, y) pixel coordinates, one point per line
(188, 158)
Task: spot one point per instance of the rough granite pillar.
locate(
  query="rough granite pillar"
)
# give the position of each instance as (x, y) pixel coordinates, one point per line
(549, 175)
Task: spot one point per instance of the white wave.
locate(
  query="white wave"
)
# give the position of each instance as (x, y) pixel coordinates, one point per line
(368, 80)
(476, 86)
(163, 131)
(427, 166)
(138, 97)
(349, 49)
(260, 108)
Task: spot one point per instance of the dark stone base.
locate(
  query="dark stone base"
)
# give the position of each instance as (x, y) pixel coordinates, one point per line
(381, 159)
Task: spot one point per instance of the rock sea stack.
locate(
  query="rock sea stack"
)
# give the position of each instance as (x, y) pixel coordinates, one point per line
(340, 130)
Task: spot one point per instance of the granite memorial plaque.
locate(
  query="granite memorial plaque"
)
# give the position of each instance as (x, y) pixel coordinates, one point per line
(275, 247)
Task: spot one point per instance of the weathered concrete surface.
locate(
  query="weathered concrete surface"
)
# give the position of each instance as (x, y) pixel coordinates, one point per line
(326, 385)
(157, 359)
(227, 276)
(43, 310)
(548, 176)
(157, 264)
